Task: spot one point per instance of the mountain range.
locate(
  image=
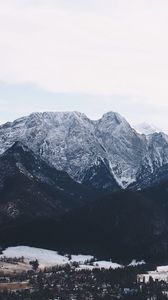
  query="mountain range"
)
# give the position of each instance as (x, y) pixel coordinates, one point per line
(94, 186)
(107, 153)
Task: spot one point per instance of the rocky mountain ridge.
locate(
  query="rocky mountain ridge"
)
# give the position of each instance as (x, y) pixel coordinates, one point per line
(71, 142)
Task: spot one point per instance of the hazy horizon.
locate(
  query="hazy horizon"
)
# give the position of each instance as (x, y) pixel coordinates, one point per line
(91, 56)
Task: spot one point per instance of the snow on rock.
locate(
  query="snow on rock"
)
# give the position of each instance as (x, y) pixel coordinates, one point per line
(71, 142)
(145, 128)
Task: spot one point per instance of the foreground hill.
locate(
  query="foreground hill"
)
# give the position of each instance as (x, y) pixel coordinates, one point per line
(30, 188)
(123, 226)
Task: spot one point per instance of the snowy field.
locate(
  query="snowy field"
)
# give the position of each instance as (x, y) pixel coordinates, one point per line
(48, 258)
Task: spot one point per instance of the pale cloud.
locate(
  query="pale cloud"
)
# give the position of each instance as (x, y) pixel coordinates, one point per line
(106, 48)
(99, 47)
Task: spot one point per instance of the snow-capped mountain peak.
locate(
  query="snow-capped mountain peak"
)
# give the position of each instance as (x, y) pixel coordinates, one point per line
(114, 119)
(71, 142)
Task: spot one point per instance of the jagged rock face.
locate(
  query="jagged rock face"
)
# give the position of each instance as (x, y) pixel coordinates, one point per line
(124, 147)
(153, 168)
(65, 140)
(73, 143)
(99, 175)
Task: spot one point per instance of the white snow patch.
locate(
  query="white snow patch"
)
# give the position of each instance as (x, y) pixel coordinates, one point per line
(160, 274)
(107, 265)
(162, 269)
(81, 259)
(135, 263)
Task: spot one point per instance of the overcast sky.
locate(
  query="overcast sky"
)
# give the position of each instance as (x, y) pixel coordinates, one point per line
(86, 55)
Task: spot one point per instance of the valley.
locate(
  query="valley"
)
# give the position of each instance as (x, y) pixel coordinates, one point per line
(32, 273)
